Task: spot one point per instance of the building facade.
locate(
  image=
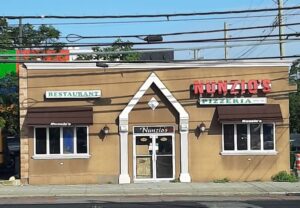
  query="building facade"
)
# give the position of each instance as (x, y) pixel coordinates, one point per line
(129, 123)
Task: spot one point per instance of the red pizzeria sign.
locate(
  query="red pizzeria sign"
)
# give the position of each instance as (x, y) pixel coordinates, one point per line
(233, 87)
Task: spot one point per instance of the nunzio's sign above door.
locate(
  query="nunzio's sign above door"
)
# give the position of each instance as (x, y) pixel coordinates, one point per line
(74, 94)
(153, 129)
(233, 88)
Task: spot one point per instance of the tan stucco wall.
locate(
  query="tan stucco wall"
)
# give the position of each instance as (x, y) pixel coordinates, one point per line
(118, 87)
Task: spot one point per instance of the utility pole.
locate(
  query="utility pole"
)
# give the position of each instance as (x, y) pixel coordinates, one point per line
(225, 41)
(280, 22)
(196, 51)
(21, 36)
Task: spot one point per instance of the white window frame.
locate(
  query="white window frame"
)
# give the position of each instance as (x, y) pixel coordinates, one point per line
(61, 155)
(248, 151)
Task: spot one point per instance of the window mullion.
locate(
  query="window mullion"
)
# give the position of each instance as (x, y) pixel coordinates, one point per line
(235, 136)
(261, 137)
(61, 140)
(248, 137)
(274, 136)
(75, 140)
(47, 141)
(87, 141)
(34, 141)
(223, 137)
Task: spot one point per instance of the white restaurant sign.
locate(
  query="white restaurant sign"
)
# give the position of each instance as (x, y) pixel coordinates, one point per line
(74, 94)
(232, 101)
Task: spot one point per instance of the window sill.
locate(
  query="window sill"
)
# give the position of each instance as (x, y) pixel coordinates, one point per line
(54, 157)
(272, 152)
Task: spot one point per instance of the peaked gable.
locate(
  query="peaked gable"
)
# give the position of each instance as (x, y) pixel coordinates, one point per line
(153, 79)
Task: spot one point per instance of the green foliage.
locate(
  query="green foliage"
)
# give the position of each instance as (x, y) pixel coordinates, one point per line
(176, 180)
(9, 104)
(9, 89)
(295, 100)
(118, 45)
(283, 176)
(2, 123)
(31, 36)
(5, 37)
(223, 180)
(295, 67)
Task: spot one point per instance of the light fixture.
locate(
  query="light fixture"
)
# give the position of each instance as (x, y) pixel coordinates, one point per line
(201, 127)
(105, 130)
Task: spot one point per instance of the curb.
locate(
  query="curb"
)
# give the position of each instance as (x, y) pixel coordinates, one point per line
(293, 194)
(205, 194)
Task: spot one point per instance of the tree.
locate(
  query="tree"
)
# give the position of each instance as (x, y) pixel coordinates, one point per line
(9, 108)
(5, 37)
(118, 45)
(295, 99)
(10, 39)
(32, 37)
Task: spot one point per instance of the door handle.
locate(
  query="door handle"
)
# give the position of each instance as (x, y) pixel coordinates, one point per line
(155, 158)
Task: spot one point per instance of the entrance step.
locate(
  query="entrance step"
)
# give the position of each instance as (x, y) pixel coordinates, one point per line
(15, 182)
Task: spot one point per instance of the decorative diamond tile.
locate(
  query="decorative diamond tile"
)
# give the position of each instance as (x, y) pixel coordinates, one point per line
(153, 103)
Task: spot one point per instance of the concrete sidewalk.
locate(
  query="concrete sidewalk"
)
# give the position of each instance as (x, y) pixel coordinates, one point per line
(154, 189)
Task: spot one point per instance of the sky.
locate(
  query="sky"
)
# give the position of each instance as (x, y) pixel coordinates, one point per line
(138, 7)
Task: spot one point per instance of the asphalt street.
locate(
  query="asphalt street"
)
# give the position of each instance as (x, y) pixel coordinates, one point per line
(143, 202)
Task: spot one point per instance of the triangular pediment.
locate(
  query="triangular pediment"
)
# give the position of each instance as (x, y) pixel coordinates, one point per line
(153, 79)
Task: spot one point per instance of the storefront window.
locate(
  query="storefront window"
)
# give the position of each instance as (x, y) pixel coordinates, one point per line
(68, 135)
(61, 140)
(40, 140)
(241, 138)
(81, 133)
(255, 136)
(54, 138)
(228, 136)
(268, 136)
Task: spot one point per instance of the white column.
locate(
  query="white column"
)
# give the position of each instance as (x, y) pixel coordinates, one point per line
(124, 176)
(184, 147)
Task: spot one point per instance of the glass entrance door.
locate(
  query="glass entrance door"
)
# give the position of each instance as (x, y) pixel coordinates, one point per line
(164, 157)
(154, 157)
(144, 157)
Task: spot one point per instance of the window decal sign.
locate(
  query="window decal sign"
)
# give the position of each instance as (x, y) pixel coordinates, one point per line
(75, 94)
(60, 124)
(251, 121)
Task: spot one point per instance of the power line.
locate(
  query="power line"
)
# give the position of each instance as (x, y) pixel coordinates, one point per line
(149, 61)
(149, 15)
(291, 29)
(144, 51)
(251, 49)
(79, 37)
(287, 35)
(160, 21)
